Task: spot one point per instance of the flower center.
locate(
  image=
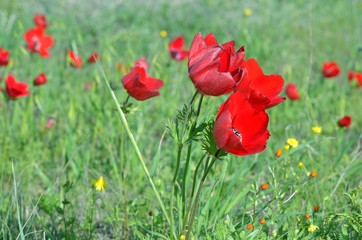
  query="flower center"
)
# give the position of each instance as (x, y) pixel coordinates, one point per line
(236, 132)
(36, 44)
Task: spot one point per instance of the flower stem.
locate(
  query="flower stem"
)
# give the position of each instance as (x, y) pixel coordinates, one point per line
(135, 146)
(207, 169)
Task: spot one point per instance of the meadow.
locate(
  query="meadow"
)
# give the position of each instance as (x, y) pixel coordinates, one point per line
(57, 141)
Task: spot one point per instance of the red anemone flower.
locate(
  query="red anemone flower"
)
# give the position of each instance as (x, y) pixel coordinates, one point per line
(40, 79)
(240, 128)
(213, 68)
(38, 41)
(345, 121)
(40, 20)
(176, 47)
(74, 59)
(292, 91)
(14, 88)
(261, 89)
(93, 57)
(140, 85)
(4, 57)
(330, 69)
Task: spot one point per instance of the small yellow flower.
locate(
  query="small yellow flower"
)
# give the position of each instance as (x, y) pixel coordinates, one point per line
(292, 142)
(247, 12)
(300, 164)
(286, 147)
(163, 33)
(312, 228)
(317, 129)
(182, 237)
(100, 184)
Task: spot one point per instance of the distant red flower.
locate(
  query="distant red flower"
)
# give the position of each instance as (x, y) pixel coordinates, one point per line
(14, 88)
(345, 122)
(38, 41)
(4, 57)
(239, 128)
(358, 77)
(40, 79)
(74, 59)
(350, 75)
(40, 20)
(142, 62)
(213, 68)
(140, 85)
(292, 91)
(176, 47)
(261, 89)
(93, 57)
(330, 69)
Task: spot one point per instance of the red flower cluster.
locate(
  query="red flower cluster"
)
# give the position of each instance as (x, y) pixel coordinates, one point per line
(139, 84)
(176, 47)
(241, 123)
(4, 57)
(330, 69)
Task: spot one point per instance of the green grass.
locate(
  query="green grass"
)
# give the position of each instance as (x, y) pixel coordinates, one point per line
(291, 38)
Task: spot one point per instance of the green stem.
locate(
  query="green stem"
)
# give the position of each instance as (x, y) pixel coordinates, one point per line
(196, 201)
(188, 156)
(173, 185)
(126, 101)
(135, 146)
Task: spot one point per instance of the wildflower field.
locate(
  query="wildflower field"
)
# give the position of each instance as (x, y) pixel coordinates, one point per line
(210, 119)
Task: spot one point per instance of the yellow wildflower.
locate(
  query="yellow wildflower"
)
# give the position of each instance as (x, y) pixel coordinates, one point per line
(300, 164)
(100, 184)
(312, 228)
(163, 33)
(292, 142)
(286, 147)
(247, 12)
(182, 237)
(317, 129)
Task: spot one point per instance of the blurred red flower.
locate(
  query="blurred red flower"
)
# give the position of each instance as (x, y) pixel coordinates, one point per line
(140, 85)
(240, 128)
(358, 77)
(292, 91)
(93, 57)
(330, 69)
(50, 123)
(38, 41)
(14, 88)
(350, 75)
(74, 59)
(345, 121)
(260, 89)
(40, 79)
(40, 20)
(213, 68)
(176, 47)
(4, 57)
